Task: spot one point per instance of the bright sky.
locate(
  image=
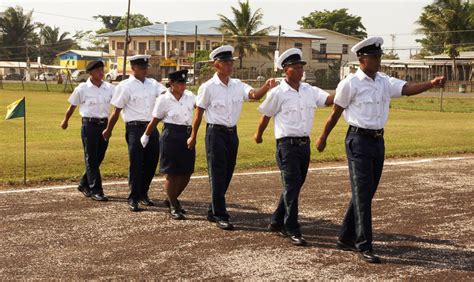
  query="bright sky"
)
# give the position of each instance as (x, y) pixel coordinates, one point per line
(381, 18)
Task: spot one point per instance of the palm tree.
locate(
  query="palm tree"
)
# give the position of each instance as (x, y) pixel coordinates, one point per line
(54, 42)
(16, 32)
(446, 25)
(244, 32)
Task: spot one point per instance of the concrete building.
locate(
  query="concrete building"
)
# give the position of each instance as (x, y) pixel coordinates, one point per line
(178, 51)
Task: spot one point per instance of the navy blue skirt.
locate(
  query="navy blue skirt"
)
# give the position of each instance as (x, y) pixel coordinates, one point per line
(175, 157)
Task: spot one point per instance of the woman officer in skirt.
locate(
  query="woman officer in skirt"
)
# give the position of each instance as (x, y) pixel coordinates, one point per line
(175, 108)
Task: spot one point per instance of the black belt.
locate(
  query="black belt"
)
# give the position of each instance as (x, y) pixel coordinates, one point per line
(222, 127)
(177, 127)
(374, 133)
(294, 140)
(138, 123)
(95, 120)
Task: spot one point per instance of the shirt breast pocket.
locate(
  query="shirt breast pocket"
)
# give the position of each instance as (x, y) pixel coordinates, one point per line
(291, 113)
(218, 106)
(365, 105)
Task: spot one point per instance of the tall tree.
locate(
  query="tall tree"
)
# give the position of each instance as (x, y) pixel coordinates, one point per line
(110, 23)
(244, 31)
(447, 26)
(53, 42)
(16, 32)
(337, 20)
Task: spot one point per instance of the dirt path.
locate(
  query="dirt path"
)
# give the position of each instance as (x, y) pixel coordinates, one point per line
(423, 229)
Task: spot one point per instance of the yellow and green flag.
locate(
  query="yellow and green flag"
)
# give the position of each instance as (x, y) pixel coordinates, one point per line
(16, 109)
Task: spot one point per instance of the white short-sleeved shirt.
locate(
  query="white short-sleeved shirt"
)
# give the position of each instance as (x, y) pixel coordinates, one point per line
(170, 110)
(136, 98)
(93, 101)
(366, 101)
(222, 103)
(293, 110)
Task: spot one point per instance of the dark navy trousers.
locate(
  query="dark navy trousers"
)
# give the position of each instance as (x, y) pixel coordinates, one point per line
(293, 162)
(221, 151)
(365, 155)
(94, 152)
(143, 161)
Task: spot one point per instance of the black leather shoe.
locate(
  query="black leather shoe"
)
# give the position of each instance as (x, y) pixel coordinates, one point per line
(133, 206)
(84, 190)
(176, 214)
(147, 202)
(168, 205)
(297, 240)
(346, 246)
(272, 227)
(211, 218)
(369, 257)
(99, 197)
(224, 225)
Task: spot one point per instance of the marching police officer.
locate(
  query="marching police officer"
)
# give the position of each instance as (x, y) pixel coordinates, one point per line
(175, 109)
(292, 104)
(134, 99)
(363, 98)
(222, 98)
(93, 98)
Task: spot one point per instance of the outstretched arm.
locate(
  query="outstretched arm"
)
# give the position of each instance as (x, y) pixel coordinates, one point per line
(259, 93)
(410, 89)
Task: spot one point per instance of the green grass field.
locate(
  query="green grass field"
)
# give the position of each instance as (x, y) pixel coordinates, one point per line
(55, 154)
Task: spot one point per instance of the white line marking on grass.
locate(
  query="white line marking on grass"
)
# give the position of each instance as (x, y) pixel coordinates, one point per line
(161, 179)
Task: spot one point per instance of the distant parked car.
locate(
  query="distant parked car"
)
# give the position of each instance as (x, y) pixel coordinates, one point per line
(47, 76)
(12, 76)
(79, 76)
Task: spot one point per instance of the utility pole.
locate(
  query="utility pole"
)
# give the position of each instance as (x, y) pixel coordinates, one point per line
(127, 41)
(393, 36)
(277, 51)
(195, 54)
(165, 27)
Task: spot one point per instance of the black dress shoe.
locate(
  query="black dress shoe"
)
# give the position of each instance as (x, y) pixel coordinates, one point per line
(224, 225)
(99, 197)
(133, 206)
(176, 214)
(297, 240)
(84, 190)
(346, 246)
(147, 202)
(369, 257)
(211, 218)
(168, 205)
(272, 227)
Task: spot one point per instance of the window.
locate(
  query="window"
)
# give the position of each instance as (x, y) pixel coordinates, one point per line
(345, 49)
(208, 45)
(198, 47)
(322, 48)
(190, 46)
(120, 45)
(181, 45)
(174, 44)
(154, 45)
(113, 44)
(299, 45)
(272, 45)
(134, 45)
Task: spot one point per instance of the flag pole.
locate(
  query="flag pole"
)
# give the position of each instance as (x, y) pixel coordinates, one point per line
(24, 143)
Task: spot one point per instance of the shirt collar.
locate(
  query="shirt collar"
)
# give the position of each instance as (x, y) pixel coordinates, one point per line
(286, 87)
(361, 75)
(132, 77)
(90, 84)
(218, 81)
